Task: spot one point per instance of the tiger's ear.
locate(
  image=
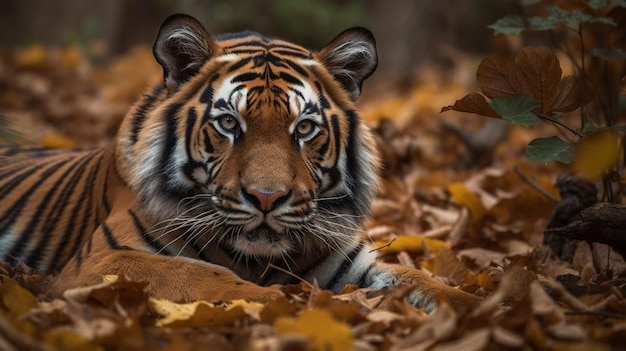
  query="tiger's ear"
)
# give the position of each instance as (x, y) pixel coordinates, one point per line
(351, 57)
(181, 48)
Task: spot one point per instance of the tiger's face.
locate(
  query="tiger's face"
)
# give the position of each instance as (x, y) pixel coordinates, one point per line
(254, 144)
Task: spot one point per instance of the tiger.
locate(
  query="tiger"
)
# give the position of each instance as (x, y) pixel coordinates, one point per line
(246, 168)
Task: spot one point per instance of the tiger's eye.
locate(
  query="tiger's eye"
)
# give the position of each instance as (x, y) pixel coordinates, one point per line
(228, 122)
(305, 128)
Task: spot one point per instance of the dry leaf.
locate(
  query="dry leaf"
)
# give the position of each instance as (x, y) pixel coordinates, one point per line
(462, 196)
(597, 153)
(320, 327)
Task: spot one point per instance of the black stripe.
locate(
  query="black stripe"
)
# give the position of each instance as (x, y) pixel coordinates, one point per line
(245, 77)
(361, 283)
(79, 259)
(108, 235)
(207, 94)
(290, 79)
(297, 68)
(345, 267)
(293, 53)
(105, 188)
(139, 116)
(353, 166)
(192, 117)
(57, 209)
(11, 215)
(89, 218)
(168, 149)
(18, 178)
(239, 64)
(320, 92)
(334, 123)
(147, 238)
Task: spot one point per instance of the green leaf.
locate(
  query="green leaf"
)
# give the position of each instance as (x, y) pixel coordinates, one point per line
(550, 149)
(619, 127)
(609, 53)
(598, 4)
(558, 16)
(543, 23)
(589, 126)
(517, 110)
(509, 25)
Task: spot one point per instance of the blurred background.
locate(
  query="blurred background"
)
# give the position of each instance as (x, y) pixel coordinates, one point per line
(409, 32)
(70, 69)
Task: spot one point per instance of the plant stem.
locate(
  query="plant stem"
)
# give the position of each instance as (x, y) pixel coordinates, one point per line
(582, 71)
(536, 186)
(550, 120)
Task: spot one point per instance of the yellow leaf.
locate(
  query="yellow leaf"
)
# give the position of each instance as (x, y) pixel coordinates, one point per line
(34, 56)
(110, 278)
(597, 153)
(410, 244)
(252, 309)
(15, 298)
(485, 281)
(71, 56)
(57, 141)
(67, 339)
(464, 197)
(320, 327)
(172, 311)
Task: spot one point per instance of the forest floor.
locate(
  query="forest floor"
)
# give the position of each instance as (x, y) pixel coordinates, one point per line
(471, 216)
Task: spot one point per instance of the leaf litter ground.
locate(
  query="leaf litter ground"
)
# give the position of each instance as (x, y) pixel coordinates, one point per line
(475, 225)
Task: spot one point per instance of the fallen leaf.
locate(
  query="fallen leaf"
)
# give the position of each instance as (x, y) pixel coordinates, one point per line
(320, 327)
(597, 153)
(462, 196)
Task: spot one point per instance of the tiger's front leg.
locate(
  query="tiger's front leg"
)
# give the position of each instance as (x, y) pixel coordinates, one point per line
(177, 279)
(426, 289)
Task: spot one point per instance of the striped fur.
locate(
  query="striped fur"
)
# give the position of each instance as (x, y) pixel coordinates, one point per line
(249, 153)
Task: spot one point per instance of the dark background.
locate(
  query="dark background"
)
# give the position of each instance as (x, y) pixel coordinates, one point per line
(409, 32)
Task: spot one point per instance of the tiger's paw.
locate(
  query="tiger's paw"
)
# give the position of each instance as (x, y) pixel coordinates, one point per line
(460, 300)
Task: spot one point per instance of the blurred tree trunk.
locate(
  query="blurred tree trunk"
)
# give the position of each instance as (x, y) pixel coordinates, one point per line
(118, 23)
(412, 32)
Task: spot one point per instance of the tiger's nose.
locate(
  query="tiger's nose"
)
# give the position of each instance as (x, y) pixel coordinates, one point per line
(265, 200)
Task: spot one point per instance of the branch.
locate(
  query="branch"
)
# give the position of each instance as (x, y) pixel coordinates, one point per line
(551, 120)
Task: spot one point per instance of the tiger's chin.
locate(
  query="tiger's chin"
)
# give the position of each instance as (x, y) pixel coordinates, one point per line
(262, 241)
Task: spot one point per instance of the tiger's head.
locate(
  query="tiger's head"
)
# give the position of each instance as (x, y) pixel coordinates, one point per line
(254, 143)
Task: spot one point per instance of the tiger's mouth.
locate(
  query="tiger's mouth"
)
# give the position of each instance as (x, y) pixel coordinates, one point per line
(262, 241)
(263, 233)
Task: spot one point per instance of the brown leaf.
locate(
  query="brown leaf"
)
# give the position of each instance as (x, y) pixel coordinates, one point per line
(542, 72)
(569, 95)
(473, 103)
(501, 78)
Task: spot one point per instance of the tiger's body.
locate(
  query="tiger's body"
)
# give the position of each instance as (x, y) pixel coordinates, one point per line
(249, 153)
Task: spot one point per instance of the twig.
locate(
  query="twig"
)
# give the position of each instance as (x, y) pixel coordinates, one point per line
(384, 246)
(270, 265)
(551, 120)
(596, 313)
(535, 185)
(582, 64)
